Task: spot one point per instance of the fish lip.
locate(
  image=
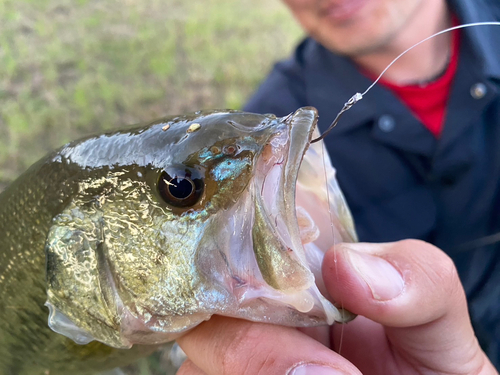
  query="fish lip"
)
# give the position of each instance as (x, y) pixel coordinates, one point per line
(301, 126)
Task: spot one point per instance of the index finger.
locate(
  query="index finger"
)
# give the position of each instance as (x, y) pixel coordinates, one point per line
(232, 346)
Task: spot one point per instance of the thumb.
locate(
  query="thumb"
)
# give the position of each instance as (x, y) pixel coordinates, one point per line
(412, 289)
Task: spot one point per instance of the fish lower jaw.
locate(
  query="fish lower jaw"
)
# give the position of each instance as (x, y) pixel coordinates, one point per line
(133, 329)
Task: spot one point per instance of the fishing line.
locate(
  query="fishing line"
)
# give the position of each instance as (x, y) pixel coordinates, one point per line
(332, 226)
(489, 240)
(357, 97)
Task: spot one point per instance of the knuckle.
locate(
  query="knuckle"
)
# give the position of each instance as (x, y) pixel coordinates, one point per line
(414, 243)
(444, 269)
(449, 275)
(436, 277)
(441, 271)
(447, 269)
(438, 267)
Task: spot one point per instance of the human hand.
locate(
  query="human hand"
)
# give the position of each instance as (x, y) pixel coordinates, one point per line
(413, 320)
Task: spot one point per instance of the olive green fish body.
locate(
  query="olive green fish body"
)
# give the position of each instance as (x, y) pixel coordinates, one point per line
(27, 210)
(27, 344)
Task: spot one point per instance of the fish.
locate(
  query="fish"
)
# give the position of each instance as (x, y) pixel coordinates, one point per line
(117, 243)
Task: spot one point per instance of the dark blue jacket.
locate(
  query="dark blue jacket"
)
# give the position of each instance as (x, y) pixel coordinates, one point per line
(399, 180)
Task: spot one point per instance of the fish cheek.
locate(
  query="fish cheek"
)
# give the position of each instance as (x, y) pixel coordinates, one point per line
(79, 296)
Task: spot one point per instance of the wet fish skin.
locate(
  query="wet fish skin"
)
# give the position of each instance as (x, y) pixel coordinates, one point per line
(102, 171)
(27, 345)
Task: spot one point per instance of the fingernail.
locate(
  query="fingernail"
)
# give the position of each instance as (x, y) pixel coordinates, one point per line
(314, 370)
(384, 281)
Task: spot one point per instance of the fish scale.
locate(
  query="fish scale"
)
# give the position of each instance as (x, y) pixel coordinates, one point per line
(28, 346)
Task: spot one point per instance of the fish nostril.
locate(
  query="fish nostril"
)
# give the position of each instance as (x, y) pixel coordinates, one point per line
(229, 150)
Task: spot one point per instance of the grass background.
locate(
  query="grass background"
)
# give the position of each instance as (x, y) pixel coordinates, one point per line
(69, 68)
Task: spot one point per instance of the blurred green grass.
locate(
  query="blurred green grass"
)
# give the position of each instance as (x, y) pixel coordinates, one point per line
(74, 67)
(69, 68)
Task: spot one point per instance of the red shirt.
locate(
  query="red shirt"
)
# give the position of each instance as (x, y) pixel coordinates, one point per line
(428, 102)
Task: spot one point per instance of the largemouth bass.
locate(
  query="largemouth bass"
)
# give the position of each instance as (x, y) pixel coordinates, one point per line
(118, 243)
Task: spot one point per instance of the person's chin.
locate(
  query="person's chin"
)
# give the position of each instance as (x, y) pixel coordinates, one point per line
(344, 11)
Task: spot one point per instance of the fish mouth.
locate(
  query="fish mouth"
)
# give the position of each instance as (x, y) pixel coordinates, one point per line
(278, 239)
(279, 168)
(287, 239)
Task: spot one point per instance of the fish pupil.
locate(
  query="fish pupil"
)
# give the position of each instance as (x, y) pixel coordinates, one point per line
(181, 188)
(180, 191)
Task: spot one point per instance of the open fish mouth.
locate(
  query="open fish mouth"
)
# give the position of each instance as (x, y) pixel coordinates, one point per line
(284, 234)
(279, 185)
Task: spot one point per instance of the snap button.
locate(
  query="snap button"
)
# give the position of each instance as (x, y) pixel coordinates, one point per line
(386, 123)
(478, 90)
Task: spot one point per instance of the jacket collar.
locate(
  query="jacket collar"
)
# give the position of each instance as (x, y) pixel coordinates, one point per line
(484, 40)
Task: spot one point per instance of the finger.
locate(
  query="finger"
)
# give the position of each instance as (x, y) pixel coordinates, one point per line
(320, 334)
(189, 368)
(412, 288)
(232, 346)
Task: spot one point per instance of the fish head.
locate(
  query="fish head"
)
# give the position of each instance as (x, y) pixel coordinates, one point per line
(182, 219)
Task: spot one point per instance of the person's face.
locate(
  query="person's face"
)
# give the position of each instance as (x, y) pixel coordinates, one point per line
(354, 27)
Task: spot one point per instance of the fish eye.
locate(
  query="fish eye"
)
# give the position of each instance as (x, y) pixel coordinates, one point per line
(180, 190)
